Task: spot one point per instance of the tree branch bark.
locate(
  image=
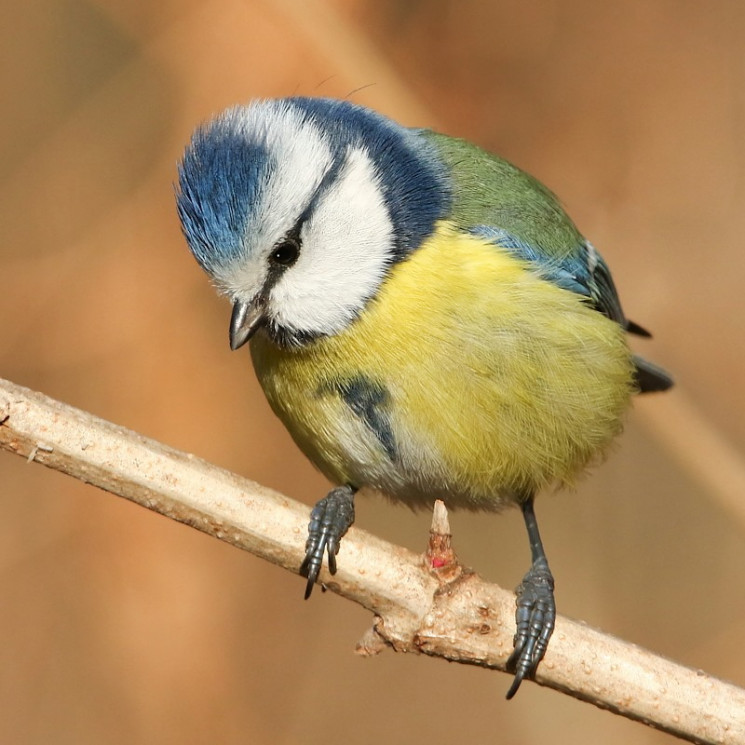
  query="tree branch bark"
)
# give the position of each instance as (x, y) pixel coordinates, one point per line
(422, 603)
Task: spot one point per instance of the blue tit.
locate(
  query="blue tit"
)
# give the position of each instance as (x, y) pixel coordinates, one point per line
(424, 317)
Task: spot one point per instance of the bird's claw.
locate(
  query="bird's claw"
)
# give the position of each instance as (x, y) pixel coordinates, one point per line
(535, 617)
(329, 521)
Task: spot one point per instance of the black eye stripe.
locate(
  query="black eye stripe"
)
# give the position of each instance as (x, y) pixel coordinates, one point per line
(285, 253)
(327, 181)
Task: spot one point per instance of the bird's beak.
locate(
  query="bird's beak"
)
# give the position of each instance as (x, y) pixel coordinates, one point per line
(245, 320)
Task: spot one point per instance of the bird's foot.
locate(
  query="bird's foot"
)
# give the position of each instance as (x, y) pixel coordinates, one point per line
(535, 617)
(329, 521)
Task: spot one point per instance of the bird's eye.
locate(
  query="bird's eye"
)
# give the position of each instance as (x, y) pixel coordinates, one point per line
(285, 253)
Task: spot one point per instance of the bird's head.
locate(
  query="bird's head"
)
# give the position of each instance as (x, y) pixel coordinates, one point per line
(297, 208)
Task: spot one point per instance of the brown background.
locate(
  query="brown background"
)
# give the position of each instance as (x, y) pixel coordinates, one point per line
(118, 626)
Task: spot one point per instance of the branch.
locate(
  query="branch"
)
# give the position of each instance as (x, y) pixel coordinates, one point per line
(428, 604)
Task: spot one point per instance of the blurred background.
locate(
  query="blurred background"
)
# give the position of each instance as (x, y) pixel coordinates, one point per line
(119, 626)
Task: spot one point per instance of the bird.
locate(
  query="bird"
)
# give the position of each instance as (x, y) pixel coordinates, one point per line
(424, 318)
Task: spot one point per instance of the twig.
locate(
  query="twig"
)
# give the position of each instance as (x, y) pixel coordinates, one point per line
(423, 603)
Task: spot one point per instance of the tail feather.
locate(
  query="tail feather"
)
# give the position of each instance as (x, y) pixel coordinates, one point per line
(635, 328)
(650, 378)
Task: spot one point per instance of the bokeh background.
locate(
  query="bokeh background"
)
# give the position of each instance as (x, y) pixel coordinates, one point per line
(119, 626)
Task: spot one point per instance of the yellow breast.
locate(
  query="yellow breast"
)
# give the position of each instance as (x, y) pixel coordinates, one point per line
(467, 378)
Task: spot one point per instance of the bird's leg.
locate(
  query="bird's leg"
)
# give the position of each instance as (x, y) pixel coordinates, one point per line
(536, 609)
(329, 521)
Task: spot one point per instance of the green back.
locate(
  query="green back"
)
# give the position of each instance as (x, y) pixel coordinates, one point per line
(489, 191)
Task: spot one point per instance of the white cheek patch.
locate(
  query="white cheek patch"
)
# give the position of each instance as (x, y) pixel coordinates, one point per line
(346, 247)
